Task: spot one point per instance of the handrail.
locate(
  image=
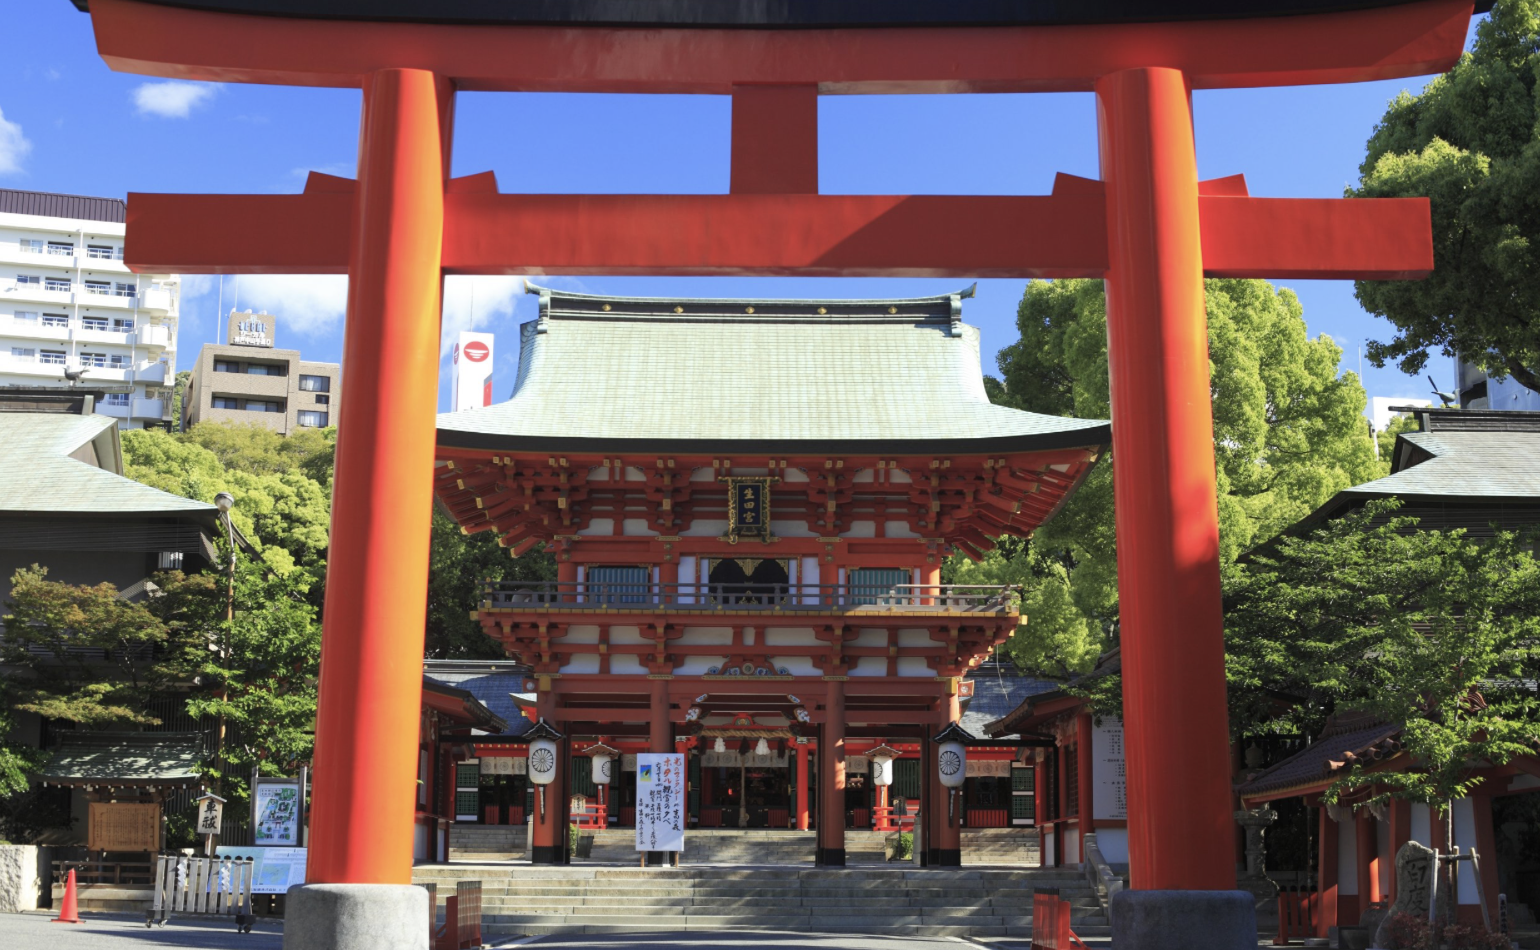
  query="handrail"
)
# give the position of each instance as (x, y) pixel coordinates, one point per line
(747, 596)
(1103, 880)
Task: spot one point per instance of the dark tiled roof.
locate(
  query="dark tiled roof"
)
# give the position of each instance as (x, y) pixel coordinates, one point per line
(492, 682)
(48, 205)
(1108, 664)
(997, 691)
(130, 758)
(1347, 738)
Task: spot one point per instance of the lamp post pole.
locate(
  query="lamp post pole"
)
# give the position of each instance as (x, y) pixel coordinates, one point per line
(224, 501)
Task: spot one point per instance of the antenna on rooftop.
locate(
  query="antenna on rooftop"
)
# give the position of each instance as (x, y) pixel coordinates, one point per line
(1447, 398)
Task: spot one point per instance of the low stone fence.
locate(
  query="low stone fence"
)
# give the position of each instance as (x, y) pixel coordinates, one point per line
(23, 877)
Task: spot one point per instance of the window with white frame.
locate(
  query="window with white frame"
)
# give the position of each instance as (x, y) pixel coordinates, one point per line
(117, 360)
(31, 245)
(116, 399)
(52, 357)
(125, 290)
(25, 316)
(24, 353)
(93, 323)
(103, 252)
(309, 417)
(93, 359)
(61, 248)
(123, 325)
(56, 320)
(98, 287)
(58, 284)
(28, 280)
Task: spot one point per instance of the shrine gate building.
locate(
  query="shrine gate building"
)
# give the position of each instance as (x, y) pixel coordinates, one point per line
(749, 502)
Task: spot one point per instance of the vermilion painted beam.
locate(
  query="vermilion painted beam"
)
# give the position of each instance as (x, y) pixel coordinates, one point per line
(1060, 235)
(1352, 46)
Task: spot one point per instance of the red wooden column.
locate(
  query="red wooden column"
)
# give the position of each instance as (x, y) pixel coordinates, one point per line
(831, 778)
(1083, 782)
(1400, 834)
(802, 783)
(1167, 512)
(1326, 871)
(1040, 803)
(1486, 848)
(547, 836)
(371, 647)
(1367, 856)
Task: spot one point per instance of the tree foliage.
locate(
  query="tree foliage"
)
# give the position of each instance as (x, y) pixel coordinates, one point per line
(1468, 143)
(458, 565)
(1288, 433)
(1386, 440)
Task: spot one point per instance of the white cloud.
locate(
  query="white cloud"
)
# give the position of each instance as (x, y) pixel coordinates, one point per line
(311, 305)
(172, 100)
(13, 145)
(472, 303)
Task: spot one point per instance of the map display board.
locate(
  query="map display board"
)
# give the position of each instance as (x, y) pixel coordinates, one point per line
(660, 811)
(277, 808)
(1109, 777)
(274, 870)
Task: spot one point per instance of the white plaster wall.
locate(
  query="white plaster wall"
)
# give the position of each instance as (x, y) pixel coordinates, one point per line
(599, 526)
(1420, 829)
(915, 638)
(914, 666)
(687, 569)
(1048, 850)
(422, 843)
(810, 569)
(582, 663)
(796, 665)
(1347, 858)
(1523, 781)
(1382, 848)
(1113, 843)
(899, 529)
(583, 633)
(637, 527)
(870, 638)
(870, 666)
(861, 529)
(627, 664)
(698, 665)
(706, 636)
(791, 529)
(705, 528)
(1465, 837)
(791, 637)
(621, 635)
(634, 474)
(1071, 845)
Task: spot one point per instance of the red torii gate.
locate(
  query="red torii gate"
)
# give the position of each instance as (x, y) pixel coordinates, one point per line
(1149, 227)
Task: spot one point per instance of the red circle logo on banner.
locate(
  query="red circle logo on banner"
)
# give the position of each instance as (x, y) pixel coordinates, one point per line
(476, 351)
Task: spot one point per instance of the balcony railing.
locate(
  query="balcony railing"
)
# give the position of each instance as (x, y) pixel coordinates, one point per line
(811, 598)
(104, 253)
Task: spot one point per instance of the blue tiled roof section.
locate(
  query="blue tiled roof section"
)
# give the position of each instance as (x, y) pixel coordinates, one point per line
(997, 691)
(494, 688)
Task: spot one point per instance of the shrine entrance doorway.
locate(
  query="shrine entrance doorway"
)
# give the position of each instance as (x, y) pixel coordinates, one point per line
(747, 580)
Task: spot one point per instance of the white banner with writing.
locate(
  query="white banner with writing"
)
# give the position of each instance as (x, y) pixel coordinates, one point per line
(660, 809)
(1109, 779)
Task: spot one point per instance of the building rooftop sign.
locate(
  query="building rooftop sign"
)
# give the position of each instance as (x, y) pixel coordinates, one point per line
(251, 329)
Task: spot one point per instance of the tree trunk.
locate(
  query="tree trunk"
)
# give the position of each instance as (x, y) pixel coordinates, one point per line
(1522, 373)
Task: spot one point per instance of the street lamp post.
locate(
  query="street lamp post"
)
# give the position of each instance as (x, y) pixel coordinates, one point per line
(224, 501)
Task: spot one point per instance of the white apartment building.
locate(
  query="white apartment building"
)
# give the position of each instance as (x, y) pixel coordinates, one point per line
(70, 308)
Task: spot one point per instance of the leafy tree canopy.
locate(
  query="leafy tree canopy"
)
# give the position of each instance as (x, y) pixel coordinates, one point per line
(1431, 629)
(458, 565)
(1288, 433)
(1468, 143)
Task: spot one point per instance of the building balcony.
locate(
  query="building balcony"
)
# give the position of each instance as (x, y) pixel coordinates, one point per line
(149, 408)
(13, 290)
(109, 336)
(118, 410)
(117, 299)
(34, 330)
(44, 372)
(152, 372)
(153, 334)
(157, 299)
(784, 599)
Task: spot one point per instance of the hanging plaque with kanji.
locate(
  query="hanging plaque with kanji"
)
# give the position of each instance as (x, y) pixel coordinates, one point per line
(748, 508)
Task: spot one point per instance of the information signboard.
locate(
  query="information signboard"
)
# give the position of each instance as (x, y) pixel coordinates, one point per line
(660, 809)
(274, 870)
(277, 809)
(1109, 777)
(123, 826)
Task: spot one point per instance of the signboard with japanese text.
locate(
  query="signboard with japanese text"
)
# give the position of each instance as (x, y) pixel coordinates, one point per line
(1109, 780)
(660, 808)
(210, 812)
(274, 870)
(123, 826)
(277, 807)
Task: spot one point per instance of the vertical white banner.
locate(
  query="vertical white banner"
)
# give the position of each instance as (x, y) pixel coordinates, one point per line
(472, 360)
(1109, 778)
(660, 808)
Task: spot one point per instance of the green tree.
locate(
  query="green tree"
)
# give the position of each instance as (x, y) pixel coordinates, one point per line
(458, 566)
(1468, 143)
(1288, 433)
(1433, 630)
(87, 656)
(1387, 439)
(178, 391)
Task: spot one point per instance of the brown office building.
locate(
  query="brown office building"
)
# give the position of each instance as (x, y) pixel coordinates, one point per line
(247, 379)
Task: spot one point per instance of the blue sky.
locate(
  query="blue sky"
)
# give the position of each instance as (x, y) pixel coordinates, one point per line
(71, 125)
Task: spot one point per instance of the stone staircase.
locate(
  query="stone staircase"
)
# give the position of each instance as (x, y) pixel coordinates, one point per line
(955, 902)
(716, 847)
(1000, 847)
(482, 843)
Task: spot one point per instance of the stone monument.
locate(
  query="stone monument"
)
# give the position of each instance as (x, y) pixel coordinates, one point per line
(1414, 877)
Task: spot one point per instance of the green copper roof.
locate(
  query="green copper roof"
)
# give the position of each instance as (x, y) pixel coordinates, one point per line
(129, 758)
(1466, 465)
(39, 476)
(676, 374)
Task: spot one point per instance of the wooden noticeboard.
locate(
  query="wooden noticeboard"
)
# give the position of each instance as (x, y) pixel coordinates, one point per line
(123, 826)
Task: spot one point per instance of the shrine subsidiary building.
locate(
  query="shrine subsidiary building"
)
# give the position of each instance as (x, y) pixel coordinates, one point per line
(749, 503)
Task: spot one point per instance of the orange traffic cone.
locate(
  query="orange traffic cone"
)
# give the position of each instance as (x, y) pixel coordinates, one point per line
(70, 914)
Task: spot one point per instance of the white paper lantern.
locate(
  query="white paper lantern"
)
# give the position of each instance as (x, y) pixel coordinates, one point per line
(882, 771)
(601, 769)
(761, 748)
(542, 761)
(952, 763)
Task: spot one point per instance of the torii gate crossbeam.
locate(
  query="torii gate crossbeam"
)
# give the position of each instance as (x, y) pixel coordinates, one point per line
(1149, 228)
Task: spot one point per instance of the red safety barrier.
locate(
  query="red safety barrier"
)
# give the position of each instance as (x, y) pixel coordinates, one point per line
(462, 919)
(1050, 922)
(1298, 913)
(988, 818)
